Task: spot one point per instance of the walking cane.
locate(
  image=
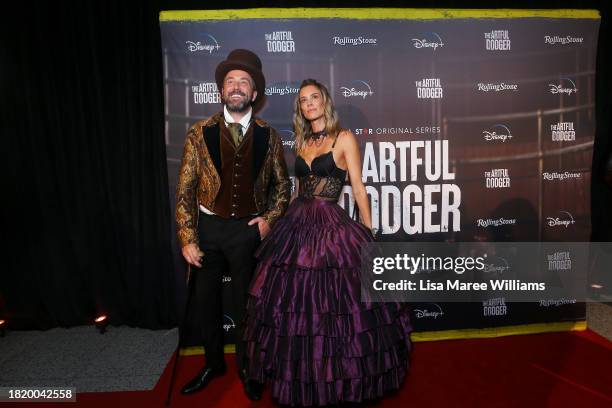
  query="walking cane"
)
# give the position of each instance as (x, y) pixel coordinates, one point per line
(180, 336)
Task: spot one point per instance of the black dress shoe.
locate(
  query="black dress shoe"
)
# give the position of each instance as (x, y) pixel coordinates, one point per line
(201, 380)
(252, 388)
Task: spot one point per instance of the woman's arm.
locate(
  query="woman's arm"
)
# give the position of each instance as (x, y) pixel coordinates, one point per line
(350, 148)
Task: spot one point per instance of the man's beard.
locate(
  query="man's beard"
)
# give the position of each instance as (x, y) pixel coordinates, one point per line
(238, 107)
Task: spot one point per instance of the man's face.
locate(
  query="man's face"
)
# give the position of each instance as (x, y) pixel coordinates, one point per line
(238, 91)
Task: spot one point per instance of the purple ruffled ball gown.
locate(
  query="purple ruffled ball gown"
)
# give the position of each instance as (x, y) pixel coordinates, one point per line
(308, 334)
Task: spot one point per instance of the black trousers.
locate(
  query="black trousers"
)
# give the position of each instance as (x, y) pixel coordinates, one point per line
(228, 246)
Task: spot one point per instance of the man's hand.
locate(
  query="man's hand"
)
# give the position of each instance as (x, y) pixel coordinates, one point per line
(192, 254)
(264, 227)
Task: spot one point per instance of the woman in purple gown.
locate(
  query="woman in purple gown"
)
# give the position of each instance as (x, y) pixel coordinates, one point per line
(308, 334)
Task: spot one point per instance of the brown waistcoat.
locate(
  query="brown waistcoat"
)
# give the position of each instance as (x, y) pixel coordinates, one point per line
(236, 198)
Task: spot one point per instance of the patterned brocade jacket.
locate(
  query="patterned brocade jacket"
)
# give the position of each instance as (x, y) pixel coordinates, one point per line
(199, 181)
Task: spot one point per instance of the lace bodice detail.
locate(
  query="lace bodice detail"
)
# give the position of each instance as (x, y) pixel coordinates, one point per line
(322, 180)
(327, 188)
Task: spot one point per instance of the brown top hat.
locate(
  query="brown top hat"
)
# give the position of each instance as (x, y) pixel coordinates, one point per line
(244, 60)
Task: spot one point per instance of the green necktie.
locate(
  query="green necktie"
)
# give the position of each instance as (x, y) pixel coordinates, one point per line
(236, 131)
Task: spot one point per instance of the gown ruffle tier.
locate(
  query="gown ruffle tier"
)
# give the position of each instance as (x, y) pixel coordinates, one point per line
(308, 334)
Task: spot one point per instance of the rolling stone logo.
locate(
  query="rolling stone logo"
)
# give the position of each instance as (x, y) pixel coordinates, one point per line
(494, 307)
(282, 89)
(494, 222)
(353, 41)
(497, 40)
(498, 133)
(565, 220)
(497, 178)
(429, 88)
(434, 313)
(280, 41)
(431, 41)
(563, 132)
(556, 40)
(205, 92)
(565, 86)
(556, 302)
(496, 87)
(211, 44)
(561, 176)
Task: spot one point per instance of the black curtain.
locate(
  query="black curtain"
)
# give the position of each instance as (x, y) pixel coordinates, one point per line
(88, 203)
(86, 219)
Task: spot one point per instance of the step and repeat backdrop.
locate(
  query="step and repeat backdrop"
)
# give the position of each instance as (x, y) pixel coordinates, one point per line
(474, 125)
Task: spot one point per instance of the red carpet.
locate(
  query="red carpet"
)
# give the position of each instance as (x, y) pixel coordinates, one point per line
(570, 369)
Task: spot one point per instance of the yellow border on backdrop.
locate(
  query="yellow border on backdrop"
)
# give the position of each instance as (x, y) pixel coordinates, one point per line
(489, 332)
(373, 14)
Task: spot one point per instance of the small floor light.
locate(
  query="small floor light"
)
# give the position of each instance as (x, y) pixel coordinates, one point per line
(2, 328)
(101, 323)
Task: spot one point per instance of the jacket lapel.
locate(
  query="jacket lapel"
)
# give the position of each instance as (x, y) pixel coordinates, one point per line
(261, 138)
(213, 144)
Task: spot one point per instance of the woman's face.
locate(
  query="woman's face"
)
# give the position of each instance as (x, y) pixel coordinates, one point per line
(311, 102)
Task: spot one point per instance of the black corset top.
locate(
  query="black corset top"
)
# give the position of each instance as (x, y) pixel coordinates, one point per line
(323, 179)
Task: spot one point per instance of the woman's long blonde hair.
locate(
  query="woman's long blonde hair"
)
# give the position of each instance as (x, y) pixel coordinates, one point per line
(301, 125)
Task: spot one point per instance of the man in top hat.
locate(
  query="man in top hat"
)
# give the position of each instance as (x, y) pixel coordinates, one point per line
(232, 186)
